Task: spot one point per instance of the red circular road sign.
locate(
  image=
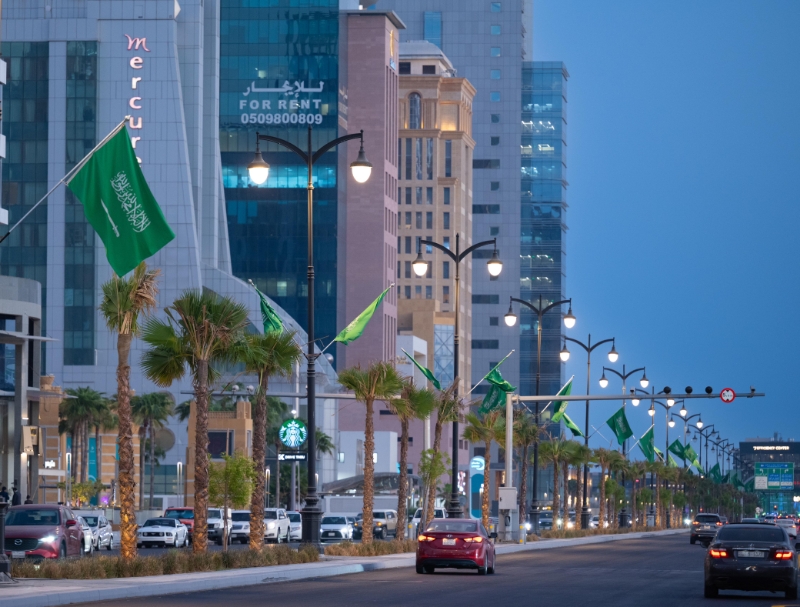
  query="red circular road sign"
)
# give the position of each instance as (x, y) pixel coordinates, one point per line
(727, 395)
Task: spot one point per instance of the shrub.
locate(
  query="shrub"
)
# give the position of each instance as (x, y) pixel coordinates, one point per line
(372, 549)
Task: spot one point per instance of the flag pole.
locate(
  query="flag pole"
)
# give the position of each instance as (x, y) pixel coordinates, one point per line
(487, 375)
(65, 178)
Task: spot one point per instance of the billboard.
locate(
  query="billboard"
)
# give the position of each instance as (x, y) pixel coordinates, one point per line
(774, 476)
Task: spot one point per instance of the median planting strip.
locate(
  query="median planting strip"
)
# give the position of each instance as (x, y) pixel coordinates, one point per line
(49, 592)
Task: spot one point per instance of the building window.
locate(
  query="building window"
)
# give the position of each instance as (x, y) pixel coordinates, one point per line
(485, 299)
(447, 196)
(446, 221)
(399, 159)
(446, 295)
(448, 158)
(418, 292)
(418, 242)
(486, 163)
(494, 230)
(429, 274)
(414, 111)
(496, 30)
(408, 245)
(446, 242)
(408, 291)
(495, 51)
(485, 344)
(496, 7)
(405, 67)
(495, 118)
(419, 221)
(429, 157)
(428, 247)
(399, 273)
(494, 74)
(432, 28)
(428, 291)
(429, 222)
(418, 192)
(494, 321)
(220, 442)
(495, 141)
(408, 159)
(399, 195)
(429, 195)
(408, 220)
(418, 154)
(429, 70)
(443, 353)
(485, 209)
(445, 269)
(494, 186)
(408, 195)
(408, 269)
(494, 96)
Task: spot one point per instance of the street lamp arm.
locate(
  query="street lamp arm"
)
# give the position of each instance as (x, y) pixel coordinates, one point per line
(584, 346)
(690, 417)
(621, 376)
(442, 248)
(335, 142)
(526, 304)
(556, 303)
(476, 246)
(284, 143)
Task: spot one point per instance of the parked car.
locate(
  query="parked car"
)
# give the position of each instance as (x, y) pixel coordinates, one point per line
(276, 525)
(545, 520)
(456, 543)
(751, 557)
(594, 523)
(384, 524)
(42, 532)
(335, 529)
(789, 526)
(215, 525)
(240, 530)
(103, 534)
(295, 525)
(87, 537)
(417, 517)
(162, 532)
(704, 527)
(184, 515)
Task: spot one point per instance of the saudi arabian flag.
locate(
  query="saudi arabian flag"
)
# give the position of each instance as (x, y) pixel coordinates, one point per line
(425, 371)
(691, 456)
(496, 396)
(646, 445)
(270, 318)
(560, 406)
(571, 425)
(677, 448)
(659, 453)
(356, 328)
(619, 426)
(672, 462)
(118, 203)
(715, 474)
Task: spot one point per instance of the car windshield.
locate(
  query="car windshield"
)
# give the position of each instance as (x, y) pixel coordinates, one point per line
(214, 513)
(706, 518)
(418, 513)
(271, 515)
(159, 522)
(240, 517)
(546, 515)
(45, 517)
(379, 515)
(464, 527)
(750, 534)
(294, 517)
(91, 520)
(185, 514)
(334, 520)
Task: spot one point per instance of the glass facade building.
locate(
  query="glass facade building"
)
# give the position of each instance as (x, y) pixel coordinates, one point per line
(279, 74)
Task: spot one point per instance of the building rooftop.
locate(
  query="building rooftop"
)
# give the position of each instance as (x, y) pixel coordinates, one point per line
(422, 49)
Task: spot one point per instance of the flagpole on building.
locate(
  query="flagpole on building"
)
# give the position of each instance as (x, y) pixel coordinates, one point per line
(65, 178)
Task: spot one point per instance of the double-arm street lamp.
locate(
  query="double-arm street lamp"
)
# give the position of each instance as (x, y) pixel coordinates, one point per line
(259, 172)
(613, 355)
(705, 432)
(511, 320)
(494, 266)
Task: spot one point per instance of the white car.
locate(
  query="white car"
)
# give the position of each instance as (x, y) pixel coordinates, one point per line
(162, 532)
(276, 525)
(240, 531)
(102, 533)
(295, 525)
(87, 536)
(437, 513)
(595, 523)
(215, 525)
(788, 525)
(335, 529)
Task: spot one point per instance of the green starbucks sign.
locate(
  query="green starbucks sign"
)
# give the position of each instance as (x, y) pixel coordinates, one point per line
(293, 433)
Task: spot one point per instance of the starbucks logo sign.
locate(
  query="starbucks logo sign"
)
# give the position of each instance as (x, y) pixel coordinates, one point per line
(293, 433)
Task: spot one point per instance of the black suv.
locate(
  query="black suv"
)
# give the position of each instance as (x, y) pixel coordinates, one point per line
(705, 527)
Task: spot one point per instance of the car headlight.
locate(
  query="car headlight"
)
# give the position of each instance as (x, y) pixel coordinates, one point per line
(48, 539)
(379, 524)
(168, 534)
(570, 525)
(527, 526)
(217, 525)
(270, 525)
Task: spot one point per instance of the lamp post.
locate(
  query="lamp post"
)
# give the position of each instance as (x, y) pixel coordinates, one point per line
(259, 171)
(569, 322)
(613, 355)
(685, 430)
(494, 266)
(643, 382)
(701, 430)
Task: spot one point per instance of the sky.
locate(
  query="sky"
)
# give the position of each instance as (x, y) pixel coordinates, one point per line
(683, 164)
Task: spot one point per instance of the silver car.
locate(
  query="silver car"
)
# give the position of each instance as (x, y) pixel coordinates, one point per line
(276, 525)
(102, 533)
(335, 529)
(295, 525)
(240, 532)
(87, 537)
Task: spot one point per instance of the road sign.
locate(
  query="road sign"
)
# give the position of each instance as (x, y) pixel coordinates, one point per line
(773, 476)
(292, 456)
(727, 395)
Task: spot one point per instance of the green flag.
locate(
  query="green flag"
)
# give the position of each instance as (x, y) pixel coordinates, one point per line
(118, 203)
(691, 456)
(677, 448)
(619, 426)
(560, 406)
(354, 330)
(646, 444)
(659, 453)
(496, 396)
(715, 474)
(571, 425)
(672, 462)
(426, 372)
(269, 316)
(726, 479)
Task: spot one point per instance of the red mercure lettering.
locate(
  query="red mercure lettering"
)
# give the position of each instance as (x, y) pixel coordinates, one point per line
(135, 43)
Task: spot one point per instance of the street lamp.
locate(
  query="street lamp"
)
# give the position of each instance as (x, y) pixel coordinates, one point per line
(494, 267)
(613, 355)
(569, 322)
(259, 172)
(683, 411)
(705, 432)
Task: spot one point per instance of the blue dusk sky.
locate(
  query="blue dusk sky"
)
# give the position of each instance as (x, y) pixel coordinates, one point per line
(683, 162)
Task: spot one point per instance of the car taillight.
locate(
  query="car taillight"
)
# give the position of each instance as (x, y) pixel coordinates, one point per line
(784, 555)
(476, 540)
(695, 523)
(426, 538)
(719, 523)
(719, 553)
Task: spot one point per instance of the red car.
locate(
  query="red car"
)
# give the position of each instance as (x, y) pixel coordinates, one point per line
(43, 532)
(184, 515)
(456, 543)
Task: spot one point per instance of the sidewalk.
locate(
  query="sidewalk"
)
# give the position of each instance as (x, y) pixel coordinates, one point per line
(48, 593)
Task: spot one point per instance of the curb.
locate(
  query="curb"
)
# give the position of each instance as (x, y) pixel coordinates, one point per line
(51, 593)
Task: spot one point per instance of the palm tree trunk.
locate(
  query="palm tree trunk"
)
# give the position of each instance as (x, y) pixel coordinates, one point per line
(369, 473)
(437, 442)
(602, 495)
(566, 497)
(557, 493)
(200, 533)
(152, 462)
(142, 451)
(485, 495)
(579, 495)
(98, 453)
(278, 474)
(259, 459)
(127, 479)
(401, 489)
(523, 484)
(633, 504)
(85, 452)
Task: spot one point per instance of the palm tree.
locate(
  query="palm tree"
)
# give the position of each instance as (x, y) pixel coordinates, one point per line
(635, 470)
(124, 300)
(151, 411)
(606, 459)
(414, 403)
(199, 333)
(448, 408)
(555, 451)
(525, 434)
(578, 457)
(486, 429)
(277, 410)
(267, 355)
(379, 381)
(87, 408)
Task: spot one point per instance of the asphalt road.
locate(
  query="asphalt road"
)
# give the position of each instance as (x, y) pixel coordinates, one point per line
(655, 572)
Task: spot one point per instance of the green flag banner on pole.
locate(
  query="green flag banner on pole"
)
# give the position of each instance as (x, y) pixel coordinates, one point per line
(646, 444)
(660, 454)
(571, 425)
(672, 462)
(677, 448)
(425, 371)
(726, 479)
(619, 426)
(715, 474)
(272, 322)
(118, 203)
(496, 379)
(356, 328)
(496, 396)
(691, 455)
(560, 406)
